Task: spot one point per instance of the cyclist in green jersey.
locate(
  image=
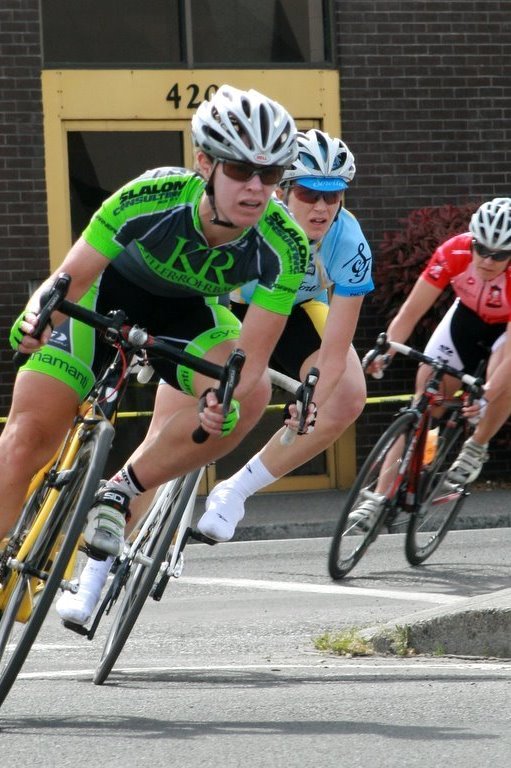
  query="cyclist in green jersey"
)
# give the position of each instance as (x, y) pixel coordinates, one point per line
(164, 248)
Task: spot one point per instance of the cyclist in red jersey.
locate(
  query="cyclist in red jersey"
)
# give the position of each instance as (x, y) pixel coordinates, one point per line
(477, 265)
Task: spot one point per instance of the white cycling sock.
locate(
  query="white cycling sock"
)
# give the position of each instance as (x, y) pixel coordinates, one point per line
(251, 478)
(126, 481)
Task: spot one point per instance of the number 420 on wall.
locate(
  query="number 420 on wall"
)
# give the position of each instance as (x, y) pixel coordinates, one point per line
(193, 94)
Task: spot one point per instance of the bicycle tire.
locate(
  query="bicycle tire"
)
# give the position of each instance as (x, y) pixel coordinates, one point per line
(141, 578)
(348, 545)
(65, 522)
(439, 504)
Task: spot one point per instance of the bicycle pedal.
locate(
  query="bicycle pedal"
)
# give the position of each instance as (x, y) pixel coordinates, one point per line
(198, 536)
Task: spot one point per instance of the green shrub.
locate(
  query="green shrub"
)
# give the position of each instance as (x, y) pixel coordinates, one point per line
(402, 255)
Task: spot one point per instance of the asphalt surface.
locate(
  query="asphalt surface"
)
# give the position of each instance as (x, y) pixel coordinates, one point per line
(480, 627)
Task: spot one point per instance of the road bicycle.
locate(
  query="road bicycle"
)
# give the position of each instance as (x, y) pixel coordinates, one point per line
(40, 554)
(155, 553)
(408, 466)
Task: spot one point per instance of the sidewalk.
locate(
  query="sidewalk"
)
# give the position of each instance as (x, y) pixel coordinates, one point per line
(313, 514)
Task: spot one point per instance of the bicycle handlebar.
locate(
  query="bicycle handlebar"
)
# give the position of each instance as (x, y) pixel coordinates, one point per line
(414, 354)
(115, 329)
(473, 383)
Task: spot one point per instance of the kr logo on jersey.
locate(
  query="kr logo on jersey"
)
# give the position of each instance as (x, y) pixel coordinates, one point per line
(193, 266)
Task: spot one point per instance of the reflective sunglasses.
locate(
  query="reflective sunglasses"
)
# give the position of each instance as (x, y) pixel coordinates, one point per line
(487, 253)
(311, 196)
(239, 171)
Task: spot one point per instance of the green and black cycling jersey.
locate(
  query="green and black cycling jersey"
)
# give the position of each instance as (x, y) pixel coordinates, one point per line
(151, 231)
(166, 277)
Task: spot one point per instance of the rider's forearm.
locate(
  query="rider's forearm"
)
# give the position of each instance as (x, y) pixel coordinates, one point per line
(422, 297)
(251, 375)
(402, 326)
(330, 372)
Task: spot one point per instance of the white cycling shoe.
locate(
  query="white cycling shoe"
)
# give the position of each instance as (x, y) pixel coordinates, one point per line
(469, 463)
(225, 507)
(363, 517)
(78, 607)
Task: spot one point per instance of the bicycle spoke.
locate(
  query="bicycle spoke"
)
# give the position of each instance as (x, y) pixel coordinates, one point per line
(26, 605)
(378, 477)
(439, 503)
(152, 547)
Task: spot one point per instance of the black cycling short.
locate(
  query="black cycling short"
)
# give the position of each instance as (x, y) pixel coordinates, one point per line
(301, 336)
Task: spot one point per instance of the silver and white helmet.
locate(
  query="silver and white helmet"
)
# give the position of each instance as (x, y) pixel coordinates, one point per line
(491, 224)
(323, 163)
(245, 126)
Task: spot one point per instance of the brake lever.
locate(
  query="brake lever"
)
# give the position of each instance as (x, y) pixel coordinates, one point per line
(228, 383)
(304, 398)
(50, 302)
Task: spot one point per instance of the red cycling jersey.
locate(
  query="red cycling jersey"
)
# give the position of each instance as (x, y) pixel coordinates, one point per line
(452, 263)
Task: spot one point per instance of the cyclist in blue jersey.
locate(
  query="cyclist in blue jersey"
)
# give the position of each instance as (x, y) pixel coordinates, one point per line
(164, 248)
(317, 333)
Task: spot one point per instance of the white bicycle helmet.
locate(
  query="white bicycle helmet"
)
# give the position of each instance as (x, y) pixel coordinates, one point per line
(323, 163)
(491, 224)
(245, 126)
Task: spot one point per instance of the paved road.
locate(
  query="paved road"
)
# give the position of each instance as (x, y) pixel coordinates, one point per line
(223, 672)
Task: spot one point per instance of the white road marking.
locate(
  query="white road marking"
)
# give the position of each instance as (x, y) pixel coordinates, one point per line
(326, 589)
(371, 667)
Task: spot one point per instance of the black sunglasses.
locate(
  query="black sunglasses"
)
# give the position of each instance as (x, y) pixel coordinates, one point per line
(311, 196)
(487, 253)
(239, 171)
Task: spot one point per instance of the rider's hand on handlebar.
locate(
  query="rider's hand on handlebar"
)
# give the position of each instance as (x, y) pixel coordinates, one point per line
(475, 411)
(21, 338)
(374, 364)
(212, 417)
(293, 417)
(376, 360)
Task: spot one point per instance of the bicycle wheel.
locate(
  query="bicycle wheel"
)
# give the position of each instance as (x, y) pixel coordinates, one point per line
(139, 577)
(348, 544)
(31, 587)
(439, 502)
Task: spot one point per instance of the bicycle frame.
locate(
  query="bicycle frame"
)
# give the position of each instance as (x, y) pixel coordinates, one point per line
(53, 474)
(86, 418)
(410, 482)
(173, 566)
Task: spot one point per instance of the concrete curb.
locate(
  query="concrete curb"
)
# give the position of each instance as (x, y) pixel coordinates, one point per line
(478, 626)
(314, 514)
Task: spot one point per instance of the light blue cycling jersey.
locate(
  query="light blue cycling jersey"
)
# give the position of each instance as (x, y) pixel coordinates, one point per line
(342, 259)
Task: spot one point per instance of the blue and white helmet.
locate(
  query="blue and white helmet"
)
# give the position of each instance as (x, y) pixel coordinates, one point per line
(491, 224)
(323, 163)
(245, 126)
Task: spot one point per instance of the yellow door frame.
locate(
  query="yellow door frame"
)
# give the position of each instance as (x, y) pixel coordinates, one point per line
(159, 100)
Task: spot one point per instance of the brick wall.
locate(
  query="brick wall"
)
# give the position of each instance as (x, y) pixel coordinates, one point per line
(23, 223)
(426, 110)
